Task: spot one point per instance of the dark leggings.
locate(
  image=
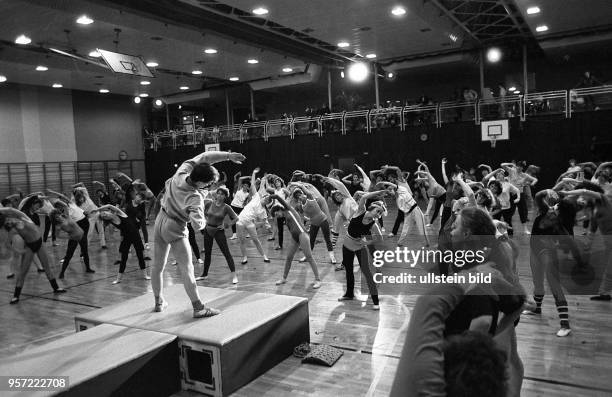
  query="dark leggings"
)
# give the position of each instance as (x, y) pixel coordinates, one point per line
(522, 208)
(124, 258)
(49, 226)
(398, 221)
(279, 225)
(219, 237)
(446, 214)
(348, 257)
(72, 244)
(237, 210)
(314, 230)
(439, 203)
(192, 241)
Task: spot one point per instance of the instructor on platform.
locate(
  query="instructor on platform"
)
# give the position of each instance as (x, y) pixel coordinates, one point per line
(183, 202)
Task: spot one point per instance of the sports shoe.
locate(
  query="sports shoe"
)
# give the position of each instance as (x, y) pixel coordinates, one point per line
(601, 297)
(281, 281)
(302, 259)
(200, 261)
(339, 268)
(235, 280)
(160, 306)
(205, 312)
(12, 275)
(564, 332)
(201, 278)
(345, 298)
(234, 237)
(390, 235)
(316, 284)
(59, 291)
(376, 307)
(245, 260)
(147, 247)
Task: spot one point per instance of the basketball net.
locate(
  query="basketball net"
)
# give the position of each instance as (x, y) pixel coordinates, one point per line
(493, 142)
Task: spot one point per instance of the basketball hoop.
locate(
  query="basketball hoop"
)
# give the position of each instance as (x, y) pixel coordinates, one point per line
(493, 142)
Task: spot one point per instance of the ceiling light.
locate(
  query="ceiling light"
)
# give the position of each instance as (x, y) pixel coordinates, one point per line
(260, 11)
(358, 72)
(343, 44)
(184, 118)
(57, 85)
(145, 82)
(41, 68)
(342, 73)
(152, 64)
(390, 75)
(542, 28)
(2, 79)
(23, 39)
(533, 10)
(513, 88)
(234, 78)
(158, 102)
(210, 51)
(253, 61)
(180, 106)
(397, 11)
(370, 56)
(103, 91)
(183, 87)
(84, 20)
(136, 99)
(196, 72)
(287, 70)
(143, 95)
(95, 54)
(494, 54)
(517, 92)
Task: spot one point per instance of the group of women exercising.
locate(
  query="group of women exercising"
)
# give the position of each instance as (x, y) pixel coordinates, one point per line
(196, 198)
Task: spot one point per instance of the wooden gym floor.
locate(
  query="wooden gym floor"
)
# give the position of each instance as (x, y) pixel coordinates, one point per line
(579, 365)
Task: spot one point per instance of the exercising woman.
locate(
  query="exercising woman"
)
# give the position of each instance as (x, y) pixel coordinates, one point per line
(73, 216)
(299, 239)
(346, 208)
(215, 212)
(435, 191)
(520, 180)
(15, 220)
(241, 197)
(182, 203)
(310, 204)
(362, 226)
(254, 211)
(129, 237)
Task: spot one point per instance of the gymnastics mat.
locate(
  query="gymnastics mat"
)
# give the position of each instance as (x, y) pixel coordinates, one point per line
(102, 361)
(220, 354)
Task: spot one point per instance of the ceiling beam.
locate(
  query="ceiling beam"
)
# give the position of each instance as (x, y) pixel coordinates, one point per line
(455, 20)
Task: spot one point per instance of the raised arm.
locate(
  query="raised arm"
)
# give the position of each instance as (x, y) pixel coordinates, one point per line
(13, 213)
(366, 180)
(113, 209)
(486, 178)
(58, 195)
(254, 182)
(467, 191)
(286, 206)
(213, 157)
(602, 166)
(339, 186)
(362, 201)
(444, 176)
(582, 192)
(347, 179)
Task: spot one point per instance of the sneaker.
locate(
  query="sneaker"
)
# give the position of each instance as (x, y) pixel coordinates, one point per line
(90, 270)
(316, 284)
(59, 291)
(174, 263)
(267, 260)
(390, 235)
(533, 312)
(376, 307)
(564, 332)
(200, 261)
(55, 244)
(271, 238)
(14, 300)
(147, 247)
(278, 248)
(235, 280)
(429, 225)
(12, 275)
(281, 281)
(245, 260)
(205, 312)
(339, 268)
(601, 297)
(345, 298)
(302, 259)
(201, 278)
(161, 306)
(117, 281)
(234, 237)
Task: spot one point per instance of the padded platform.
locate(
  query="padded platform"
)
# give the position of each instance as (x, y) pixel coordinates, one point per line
(220, 354)
(102, 361)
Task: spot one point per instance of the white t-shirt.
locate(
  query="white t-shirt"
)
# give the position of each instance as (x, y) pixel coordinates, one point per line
(75, 213)
(240, 198)
(253, 211)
